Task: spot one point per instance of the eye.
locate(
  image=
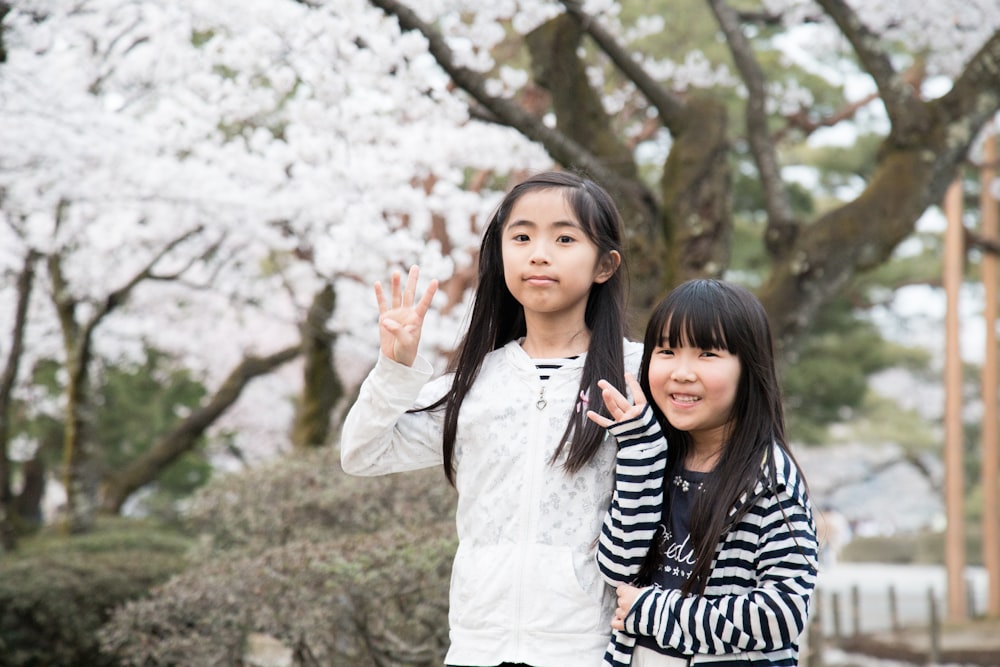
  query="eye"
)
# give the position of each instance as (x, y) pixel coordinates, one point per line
(663, 352)
(521, 238)
(565, 238)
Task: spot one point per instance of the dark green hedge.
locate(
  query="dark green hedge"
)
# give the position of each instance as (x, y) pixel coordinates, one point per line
(56, 592)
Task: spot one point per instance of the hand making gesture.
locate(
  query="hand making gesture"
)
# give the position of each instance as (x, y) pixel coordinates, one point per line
(619, 407)
(400, 322)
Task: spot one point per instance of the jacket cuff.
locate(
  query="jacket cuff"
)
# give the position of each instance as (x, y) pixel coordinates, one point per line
(641, 433)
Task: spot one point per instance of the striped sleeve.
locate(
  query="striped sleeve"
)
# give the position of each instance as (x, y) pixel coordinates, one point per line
(631, 521)
(770, 558)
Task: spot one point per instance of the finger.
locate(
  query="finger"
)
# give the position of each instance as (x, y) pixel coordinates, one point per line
(411, 285)
(600, 420)
(616, 403)
(380, 298)
(635, 388)
(396, 297)
(425, 300)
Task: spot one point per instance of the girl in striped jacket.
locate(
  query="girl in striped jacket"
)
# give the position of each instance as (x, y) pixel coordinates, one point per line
(710, 538)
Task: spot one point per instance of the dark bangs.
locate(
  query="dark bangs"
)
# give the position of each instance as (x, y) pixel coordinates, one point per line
(689, 316)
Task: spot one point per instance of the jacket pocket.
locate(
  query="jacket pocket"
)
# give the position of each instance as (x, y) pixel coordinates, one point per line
(482, 580)
(555, 599)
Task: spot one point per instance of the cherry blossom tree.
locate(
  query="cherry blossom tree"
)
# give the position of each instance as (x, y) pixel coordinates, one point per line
(595, 99)
(196, 176)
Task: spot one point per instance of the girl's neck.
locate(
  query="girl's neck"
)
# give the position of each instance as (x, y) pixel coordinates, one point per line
(703, 456)
(556, 342)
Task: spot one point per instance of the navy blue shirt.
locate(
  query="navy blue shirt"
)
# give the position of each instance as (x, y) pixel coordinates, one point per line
(676, 551)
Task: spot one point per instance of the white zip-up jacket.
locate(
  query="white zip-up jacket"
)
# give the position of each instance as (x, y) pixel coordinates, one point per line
(524, 586)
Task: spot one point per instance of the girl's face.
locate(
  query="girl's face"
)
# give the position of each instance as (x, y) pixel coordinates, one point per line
(549, 262)
(695, 389)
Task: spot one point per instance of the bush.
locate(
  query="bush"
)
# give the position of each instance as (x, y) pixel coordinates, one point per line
(341, 570)
(364, 600)
(57, 591)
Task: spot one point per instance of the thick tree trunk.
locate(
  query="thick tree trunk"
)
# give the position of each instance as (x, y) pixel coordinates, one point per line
(580, 115)
(858, 236)
(696, 190)
(321, 388)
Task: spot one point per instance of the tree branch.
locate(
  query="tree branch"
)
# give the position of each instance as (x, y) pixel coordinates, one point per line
(118, 486)
(562, 149)
(782, 227)
(801, 121)
(118, 296)
(669, 106)
(975, 95)
(898, 97)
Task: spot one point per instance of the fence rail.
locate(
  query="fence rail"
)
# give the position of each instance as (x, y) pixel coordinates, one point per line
(894, 612)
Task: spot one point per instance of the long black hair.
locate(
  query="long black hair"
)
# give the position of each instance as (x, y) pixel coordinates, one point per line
(497, 318)
(713, 314)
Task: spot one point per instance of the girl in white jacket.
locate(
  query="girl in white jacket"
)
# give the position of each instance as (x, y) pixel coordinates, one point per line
(508, 423)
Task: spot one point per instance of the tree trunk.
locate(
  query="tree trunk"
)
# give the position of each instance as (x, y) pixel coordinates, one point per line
(321, 388)
(25, 280)
(696, 190)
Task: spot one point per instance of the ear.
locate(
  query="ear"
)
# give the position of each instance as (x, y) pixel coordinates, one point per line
(607, 266)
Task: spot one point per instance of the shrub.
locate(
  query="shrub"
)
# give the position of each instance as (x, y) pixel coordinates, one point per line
(364, 600)
(57, 591)
(342, 570)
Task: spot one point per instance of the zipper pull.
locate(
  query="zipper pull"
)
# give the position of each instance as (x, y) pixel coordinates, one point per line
(541, 402)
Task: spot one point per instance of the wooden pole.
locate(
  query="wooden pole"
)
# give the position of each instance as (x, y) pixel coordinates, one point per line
(991, 438)
(954, 538)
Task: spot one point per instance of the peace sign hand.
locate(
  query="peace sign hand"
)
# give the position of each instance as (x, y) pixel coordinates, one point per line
(401, 321)
(619, 407)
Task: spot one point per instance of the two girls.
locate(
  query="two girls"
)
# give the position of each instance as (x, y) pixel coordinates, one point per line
(509, 423)
(710, 537)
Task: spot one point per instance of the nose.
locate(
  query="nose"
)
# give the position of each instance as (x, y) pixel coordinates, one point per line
(682, 372)
(540, 253)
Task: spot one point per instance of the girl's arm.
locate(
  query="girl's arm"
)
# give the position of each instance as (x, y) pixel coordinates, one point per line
(637, 502)
(379, 435)
(769, 617)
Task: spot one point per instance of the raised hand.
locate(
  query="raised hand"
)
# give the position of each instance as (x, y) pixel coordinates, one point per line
(619, 407)
(401, 320)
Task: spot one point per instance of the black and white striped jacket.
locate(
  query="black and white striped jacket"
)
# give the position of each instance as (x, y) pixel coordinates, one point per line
(756, 602)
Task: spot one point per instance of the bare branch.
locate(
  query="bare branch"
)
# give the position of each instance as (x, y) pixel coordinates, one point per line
(118, 296)
(182, 438)
(668, 105)
(802, 122)
(782, 226)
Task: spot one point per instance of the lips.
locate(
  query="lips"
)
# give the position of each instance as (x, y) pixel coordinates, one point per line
(684, 399)
(540, 280)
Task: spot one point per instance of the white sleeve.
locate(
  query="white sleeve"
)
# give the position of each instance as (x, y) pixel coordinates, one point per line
(379, 436)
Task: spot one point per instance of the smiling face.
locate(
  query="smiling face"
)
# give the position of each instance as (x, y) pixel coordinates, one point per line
(549, 261)
(695, 389)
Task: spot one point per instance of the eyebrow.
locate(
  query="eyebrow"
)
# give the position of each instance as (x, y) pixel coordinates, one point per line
(533, 224)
